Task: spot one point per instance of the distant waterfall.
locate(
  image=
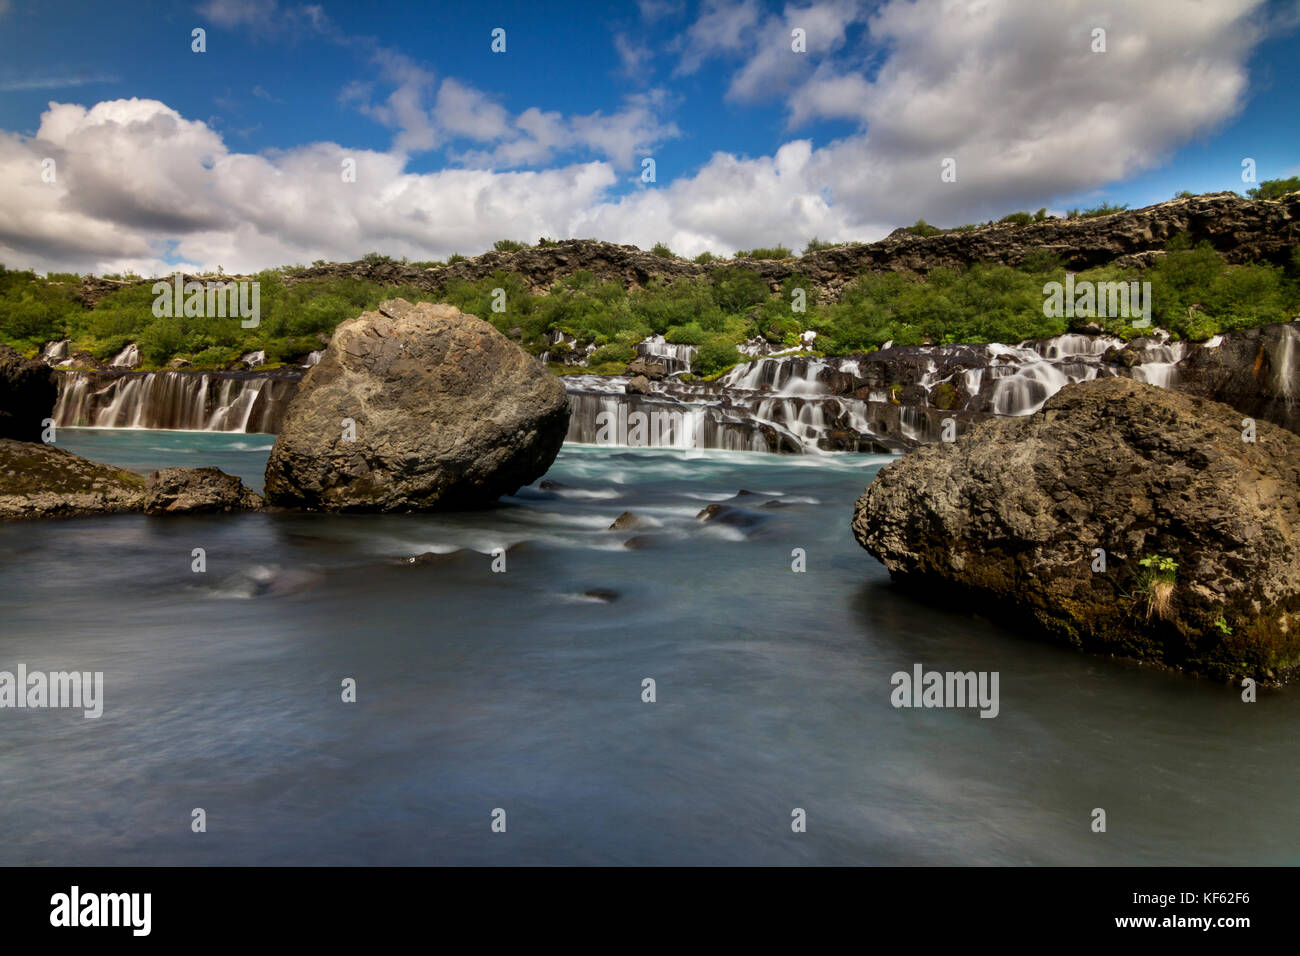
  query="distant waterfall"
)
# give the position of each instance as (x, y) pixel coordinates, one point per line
(674, 358)
(201, 401)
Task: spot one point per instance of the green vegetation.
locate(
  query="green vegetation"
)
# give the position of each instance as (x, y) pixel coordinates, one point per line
(776, 252)
(816, 245)
(1195, 295)
(1274, 188)
(662, 251)
(1155, 587)
(1105, 209)
(508, 245)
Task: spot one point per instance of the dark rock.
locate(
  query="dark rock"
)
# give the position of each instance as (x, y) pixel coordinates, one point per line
(601, 594)
(27, 395)
(42, 481)
(448, 413)
(1009, 515)
(638, 385)
(651, 370)
(197, 491)
(1256, 371)
(626, 522)
(730, 515)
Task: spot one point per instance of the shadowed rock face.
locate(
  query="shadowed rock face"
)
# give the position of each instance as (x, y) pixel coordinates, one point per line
(1009, 516)
(448, 413)
(197, 491)
(1256, 371)
(27, 395)
(42, 481)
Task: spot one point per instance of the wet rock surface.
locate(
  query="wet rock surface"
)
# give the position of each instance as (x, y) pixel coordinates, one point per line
(197, 491)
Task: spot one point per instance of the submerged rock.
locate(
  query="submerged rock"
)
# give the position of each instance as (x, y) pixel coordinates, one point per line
(1200, 530)
(627, 521)
(197, 491)
(42, 481)
(27, 394)
(416, 407)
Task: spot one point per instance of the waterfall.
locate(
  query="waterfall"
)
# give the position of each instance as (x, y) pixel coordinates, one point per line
(674, 358)
(55, 353)
(201, 401)
(129, 357)
(1285, 359)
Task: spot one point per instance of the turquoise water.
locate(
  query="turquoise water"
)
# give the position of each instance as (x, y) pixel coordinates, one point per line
(479, 690)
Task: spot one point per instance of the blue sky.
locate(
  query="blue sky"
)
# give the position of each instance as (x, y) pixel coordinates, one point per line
(167, 156)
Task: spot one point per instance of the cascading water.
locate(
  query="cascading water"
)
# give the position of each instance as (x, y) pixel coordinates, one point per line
(129, 357)
(888, 400)
(202, 401)
(1285, 358)
(674, 358)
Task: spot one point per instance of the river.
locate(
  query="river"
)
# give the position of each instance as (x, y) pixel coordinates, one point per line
(522, 690)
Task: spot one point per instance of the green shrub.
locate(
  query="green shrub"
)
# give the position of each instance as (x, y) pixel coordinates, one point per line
(612, 355)
(776, 252)
(737, 288)
(704, 258)
(1105, 209)
(509, 245)
(816, 245)
(1274, 188)
(923, 228)
(662, 251)
(715, 355)
(1016, 219)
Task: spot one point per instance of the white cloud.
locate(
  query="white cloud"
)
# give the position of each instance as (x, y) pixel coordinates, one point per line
(1012, 91)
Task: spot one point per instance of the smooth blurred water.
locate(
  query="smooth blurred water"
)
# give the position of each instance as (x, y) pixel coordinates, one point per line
(479, 690)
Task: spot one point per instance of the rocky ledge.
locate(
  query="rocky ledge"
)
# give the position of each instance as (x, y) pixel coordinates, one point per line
(42, 481)
(1120, 518)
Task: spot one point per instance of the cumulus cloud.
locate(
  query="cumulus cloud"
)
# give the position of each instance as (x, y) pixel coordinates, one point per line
(1010, 90)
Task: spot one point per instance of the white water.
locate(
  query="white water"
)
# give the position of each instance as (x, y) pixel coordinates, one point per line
(172, 400)
(129, 357)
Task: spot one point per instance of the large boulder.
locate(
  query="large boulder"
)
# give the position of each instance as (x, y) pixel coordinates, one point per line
(197, 491)
(27, 396)
(1200, 529)
(446, 412)
(42, 481)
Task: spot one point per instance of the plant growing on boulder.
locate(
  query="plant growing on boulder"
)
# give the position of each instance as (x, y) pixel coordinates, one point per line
(1156, 584)
(662, 251)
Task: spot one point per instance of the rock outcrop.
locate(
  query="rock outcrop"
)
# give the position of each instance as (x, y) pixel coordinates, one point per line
(42, 481)
(1240, 229)
(197, 491)
(27, 395)
(1256, 371)
(1200, 529)
(414, 408)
